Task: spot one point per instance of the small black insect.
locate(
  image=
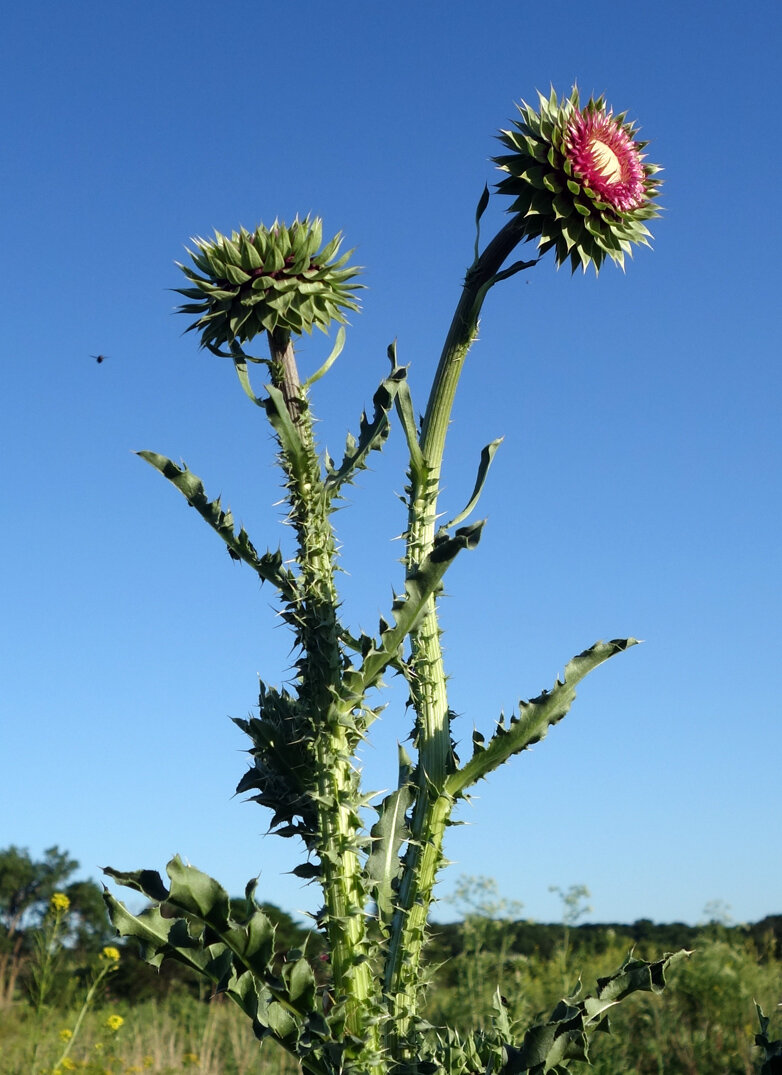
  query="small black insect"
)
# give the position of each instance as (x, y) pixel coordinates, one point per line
(99, 358)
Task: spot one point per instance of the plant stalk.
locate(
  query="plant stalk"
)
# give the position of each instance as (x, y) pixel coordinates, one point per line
(429, 691)
(320, 671)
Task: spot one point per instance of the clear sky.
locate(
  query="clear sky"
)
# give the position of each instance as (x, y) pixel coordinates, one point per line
(637, 491)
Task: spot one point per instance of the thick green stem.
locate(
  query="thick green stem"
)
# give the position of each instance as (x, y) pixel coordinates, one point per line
(320, 669)
(433, 733)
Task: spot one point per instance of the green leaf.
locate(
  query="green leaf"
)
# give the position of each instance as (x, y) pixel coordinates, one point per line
(772, 1050)
(534, 719)
(564, 1036)
(149, 928)
(339, 343)
(196, 893)
(268, 567)
(387, 835)
(487, 454)
(206, 938)
(288, 435)
(483, 201)
(240, 365)
(408, 609)
(148, 882)
(254, 942)
(371, 435)
(404, 410)
(300, 981)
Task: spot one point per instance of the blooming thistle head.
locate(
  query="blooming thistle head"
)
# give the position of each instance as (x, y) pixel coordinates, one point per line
(272, 278)
(579, 180)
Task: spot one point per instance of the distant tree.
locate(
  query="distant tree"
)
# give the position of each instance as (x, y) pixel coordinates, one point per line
(26, 887)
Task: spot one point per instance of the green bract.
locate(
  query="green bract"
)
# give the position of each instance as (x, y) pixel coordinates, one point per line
(271, 279)
(578, 179)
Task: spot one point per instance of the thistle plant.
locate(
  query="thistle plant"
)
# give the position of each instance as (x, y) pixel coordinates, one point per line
(579, 185)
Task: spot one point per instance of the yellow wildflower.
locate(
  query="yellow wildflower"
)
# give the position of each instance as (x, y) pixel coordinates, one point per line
(66, 1034)
(148, 1061)
(189, 1058)
(110, 953)
(59, 902)
(114, 1022)
(68, 1064)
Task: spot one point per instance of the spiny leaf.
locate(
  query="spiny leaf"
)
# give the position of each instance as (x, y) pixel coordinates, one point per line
(268, 567)
(534, 717)
(772, 1050)
(288, 435)
(407, 609)
(371, 435)
(564, 1036)
(196, 893)
(206, 938)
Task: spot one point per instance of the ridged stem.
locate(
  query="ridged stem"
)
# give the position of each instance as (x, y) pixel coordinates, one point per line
(320, 669)
(429, 693)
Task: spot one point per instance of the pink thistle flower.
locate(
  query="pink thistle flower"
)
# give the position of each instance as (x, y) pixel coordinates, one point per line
(579, 180)
(607, 159)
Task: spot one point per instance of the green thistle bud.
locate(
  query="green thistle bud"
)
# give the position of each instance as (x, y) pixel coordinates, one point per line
(579, 181)
(267, 280)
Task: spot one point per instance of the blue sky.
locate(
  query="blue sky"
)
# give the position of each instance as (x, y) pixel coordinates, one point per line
(636, 491)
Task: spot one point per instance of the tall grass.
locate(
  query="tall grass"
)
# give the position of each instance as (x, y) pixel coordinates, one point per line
(703, 1024)
(180, 1034)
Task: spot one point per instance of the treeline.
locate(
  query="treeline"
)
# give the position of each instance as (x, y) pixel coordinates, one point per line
(27, 886)
(544, 939)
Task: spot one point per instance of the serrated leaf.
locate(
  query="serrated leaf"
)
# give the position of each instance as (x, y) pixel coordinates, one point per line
(306, 871)
(288, 435)
(371, 435)
(301, 985)
(407, 609)
(148, 882)
(268, 566)
(535, 717)
(564, 1036)
(196, 893)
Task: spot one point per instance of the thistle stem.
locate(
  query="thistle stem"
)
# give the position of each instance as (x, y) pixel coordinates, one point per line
(429, 694)
(320, 671)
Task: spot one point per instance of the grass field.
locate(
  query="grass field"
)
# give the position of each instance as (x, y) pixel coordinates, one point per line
(703, 1024)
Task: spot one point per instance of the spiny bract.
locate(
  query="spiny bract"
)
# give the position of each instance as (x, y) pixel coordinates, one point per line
(272, 278)
(579, 180)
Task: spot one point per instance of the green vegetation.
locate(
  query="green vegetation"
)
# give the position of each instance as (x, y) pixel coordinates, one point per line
(69, 1005)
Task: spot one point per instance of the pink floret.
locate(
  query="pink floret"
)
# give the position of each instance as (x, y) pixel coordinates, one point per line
(606, 159)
